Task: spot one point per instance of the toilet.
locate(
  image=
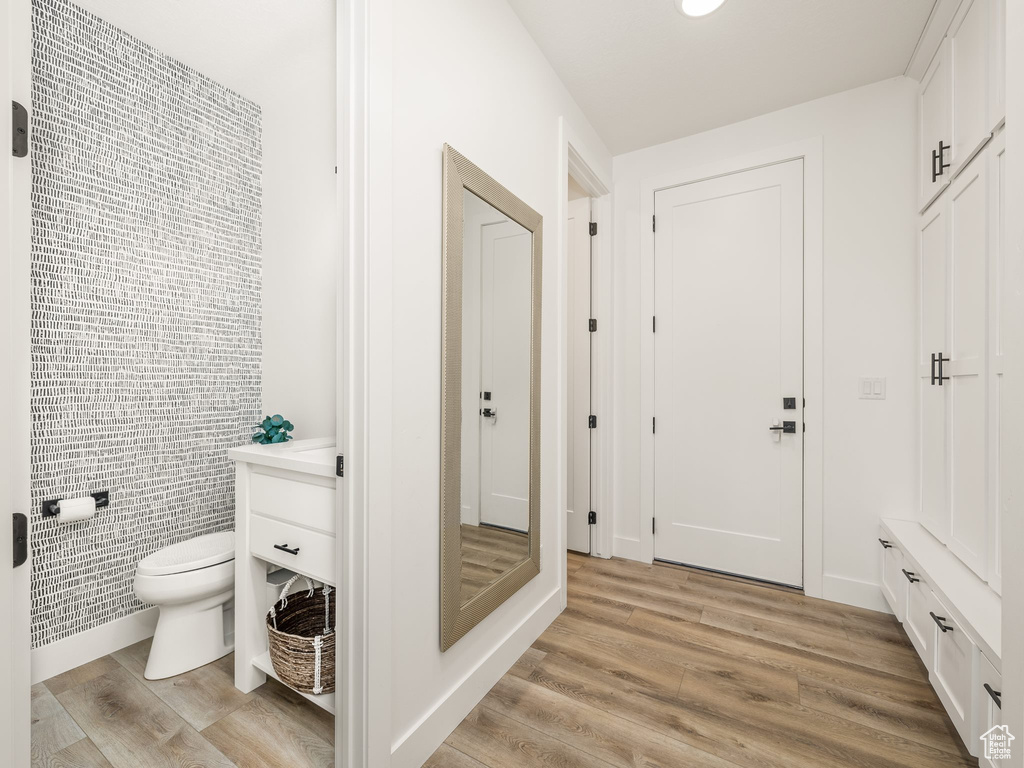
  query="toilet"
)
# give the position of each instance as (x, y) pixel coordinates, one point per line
(193, 584)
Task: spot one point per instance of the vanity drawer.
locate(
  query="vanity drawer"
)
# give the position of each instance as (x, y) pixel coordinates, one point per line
(307, 500)
(987, 711)
(894, 584)
(315, 551)
(953, 672)
(919, 625)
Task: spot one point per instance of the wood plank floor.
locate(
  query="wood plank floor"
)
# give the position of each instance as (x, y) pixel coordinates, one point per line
(664, 666)
(105, 714)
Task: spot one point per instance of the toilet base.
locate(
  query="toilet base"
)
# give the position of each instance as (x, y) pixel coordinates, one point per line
(188, 636)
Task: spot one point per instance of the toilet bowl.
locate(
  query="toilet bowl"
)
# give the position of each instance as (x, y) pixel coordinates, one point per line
(193, 583)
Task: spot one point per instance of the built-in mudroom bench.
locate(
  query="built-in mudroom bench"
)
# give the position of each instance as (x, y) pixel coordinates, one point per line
(953, 619)
(285, 518)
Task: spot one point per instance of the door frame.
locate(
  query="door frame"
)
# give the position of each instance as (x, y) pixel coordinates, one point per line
(810, 151)
(576, 158)
(15, 637)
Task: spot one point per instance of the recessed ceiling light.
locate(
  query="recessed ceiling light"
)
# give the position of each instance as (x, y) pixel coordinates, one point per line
(698, 7)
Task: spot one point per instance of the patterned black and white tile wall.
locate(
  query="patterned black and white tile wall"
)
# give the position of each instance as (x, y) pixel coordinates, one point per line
(146, 200)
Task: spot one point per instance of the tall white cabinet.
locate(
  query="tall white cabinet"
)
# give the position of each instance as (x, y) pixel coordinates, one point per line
(941, 568)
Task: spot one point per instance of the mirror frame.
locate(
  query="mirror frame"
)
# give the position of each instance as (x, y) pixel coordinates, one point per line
(457, 619)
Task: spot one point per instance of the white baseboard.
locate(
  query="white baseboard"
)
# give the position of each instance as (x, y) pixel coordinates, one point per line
(415, 747)
(74, 651)
(626, 548)
(862, 594)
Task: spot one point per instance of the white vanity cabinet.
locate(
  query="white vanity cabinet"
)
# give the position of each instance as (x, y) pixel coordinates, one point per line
(285, 515)
(961, 101)
(953, 619)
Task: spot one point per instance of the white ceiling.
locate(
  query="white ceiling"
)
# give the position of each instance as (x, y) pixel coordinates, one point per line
(643, 73)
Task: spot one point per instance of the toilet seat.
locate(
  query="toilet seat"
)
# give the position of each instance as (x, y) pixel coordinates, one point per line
(192, 555)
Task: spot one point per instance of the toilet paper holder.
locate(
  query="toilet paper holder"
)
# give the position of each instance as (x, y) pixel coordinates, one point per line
(52, 508)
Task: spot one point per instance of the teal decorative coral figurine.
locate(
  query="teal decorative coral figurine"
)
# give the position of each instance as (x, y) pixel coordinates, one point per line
(273, 429)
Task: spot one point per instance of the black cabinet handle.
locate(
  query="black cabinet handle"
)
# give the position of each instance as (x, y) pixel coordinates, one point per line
(939, 165)
(910, 575)
(997, 696)
(284, 548)
(885, 544)
(934, 360)
(940, 360)
(938, 620)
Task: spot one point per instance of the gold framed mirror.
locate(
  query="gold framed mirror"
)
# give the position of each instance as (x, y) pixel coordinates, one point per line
(490, 396)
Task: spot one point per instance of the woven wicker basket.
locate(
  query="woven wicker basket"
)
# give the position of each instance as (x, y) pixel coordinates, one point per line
(301, 632)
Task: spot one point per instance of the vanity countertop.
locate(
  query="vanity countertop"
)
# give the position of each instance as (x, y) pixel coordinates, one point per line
(315, 456)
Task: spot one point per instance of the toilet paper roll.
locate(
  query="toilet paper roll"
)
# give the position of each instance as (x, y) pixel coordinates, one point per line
(76, 510)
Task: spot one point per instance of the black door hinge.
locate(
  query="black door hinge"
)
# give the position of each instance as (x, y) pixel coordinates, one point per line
(652, 525)
(592, 422)
(20, 539)
(654, 425)
(592, 518)
(339, 467)
(654, 324)
(654, 224)
(593, 228)
(592, 325)
(19, 129)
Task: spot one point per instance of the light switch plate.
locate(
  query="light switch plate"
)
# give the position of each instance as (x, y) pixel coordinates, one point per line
(872, 389)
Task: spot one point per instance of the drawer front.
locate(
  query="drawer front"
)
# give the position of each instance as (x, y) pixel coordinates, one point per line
(312, 552)
(894, 585)
(302, 499)
(952, 676)
(920, 627)
(988, 715)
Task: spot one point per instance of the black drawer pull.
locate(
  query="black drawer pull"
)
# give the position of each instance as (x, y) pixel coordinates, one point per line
(885, 544)
(997, 696)
(939, 620)
(911, 576)
(284, 548)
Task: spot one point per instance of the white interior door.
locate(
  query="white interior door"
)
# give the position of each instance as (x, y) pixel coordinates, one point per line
(728, 347)
(15, 85)
(505, 375)
(579, 366)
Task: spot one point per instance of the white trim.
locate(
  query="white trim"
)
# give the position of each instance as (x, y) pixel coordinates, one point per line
(95, 643)
(931, 37)
(577, 159)
(862, 594)
(626, 548)
(364, 542)
(415, 746)
(810, 150)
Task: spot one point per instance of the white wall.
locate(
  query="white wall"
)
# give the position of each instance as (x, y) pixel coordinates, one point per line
(1012, 412)
(870, 465)
(465, 72)
(300, 239)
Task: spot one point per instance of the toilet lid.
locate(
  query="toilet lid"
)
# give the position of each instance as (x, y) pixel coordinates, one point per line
(191, 555)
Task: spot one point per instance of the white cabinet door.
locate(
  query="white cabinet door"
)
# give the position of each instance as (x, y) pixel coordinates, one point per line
(997, 65)
(967, 352)
(988, 715)
(894, 586)
(997, 260)
(933, 257)
(953, 672)
(934, 127)
(919, 626)
(969, 60)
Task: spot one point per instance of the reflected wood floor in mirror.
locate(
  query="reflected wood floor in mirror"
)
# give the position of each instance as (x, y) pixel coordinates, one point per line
(488, 552)
(105, 714)
(666, 666)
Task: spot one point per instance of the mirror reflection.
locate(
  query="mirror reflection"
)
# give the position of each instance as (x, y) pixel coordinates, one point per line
(496, 314)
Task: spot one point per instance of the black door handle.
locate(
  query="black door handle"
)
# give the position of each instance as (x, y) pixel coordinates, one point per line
(910, 575)
(938, 620)
(885, 544)
(284, 548)
(997, 696)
